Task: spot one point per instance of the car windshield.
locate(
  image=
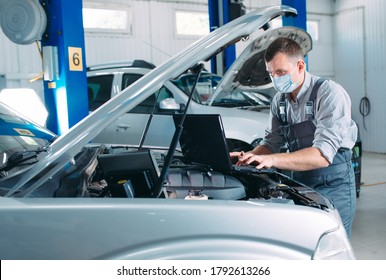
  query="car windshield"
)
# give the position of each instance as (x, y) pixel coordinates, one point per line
(204, 88)
(241, 98)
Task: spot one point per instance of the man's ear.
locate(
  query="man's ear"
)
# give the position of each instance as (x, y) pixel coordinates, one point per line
(301, 65)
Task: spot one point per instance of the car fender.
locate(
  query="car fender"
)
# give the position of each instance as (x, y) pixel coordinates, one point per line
(103, 229)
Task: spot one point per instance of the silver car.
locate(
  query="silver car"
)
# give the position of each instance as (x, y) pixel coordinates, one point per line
(107, 80)
(77, 200)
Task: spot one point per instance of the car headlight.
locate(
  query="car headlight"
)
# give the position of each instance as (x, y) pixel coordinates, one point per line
(334, 245)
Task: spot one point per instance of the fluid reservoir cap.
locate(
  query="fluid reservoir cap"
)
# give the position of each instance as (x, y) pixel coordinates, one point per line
(23, 21)
(196, 194)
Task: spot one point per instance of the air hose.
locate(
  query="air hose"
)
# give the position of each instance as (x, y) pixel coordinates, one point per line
(364, 109)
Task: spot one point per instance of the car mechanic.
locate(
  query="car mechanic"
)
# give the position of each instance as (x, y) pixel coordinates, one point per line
(312, 117)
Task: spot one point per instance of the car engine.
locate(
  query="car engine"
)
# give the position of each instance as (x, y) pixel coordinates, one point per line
(120, 172)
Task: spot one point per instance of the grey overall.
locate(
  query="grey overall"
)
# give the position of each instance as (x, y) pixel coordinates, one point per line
(337, 181)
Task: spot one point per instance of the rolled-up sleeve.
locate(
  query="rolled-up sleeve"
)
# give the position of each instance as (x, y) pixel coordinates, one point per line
(334, 126)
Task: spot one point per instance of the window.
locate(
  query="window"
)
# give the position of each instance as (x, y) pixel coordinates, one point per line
(313, 29)
(204, 87)
(129, 79)
(99, 90)
(107, 19)
(190, 23)
(276, 23)
(147, 106)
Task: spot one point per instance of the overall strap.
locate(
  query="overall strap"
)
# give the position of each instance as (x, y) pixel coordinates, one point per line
(283, 109)
(310, 103)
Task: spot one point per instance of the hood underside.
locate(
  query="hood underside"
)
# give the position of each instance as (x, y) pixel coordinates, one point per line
(248, 73)
(69, 144)
(253, 72)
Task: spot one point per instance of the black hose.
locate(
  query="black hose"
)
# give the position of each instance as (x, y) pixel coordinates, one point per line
(364, 109)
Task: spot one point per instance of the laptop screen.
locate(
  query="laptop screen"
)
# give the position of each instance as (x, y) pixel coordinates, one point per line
(203, 141)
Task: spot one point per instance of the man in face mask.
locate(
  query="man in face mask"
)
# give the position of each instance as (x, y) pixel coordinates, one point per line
(310, 116)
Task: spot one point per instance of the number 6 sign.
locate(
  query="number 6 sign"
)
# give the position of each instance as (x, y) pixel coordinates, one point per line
(75, 59)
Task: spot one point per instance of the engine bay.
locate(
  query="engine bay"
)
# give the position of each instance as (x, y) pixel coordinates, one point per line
(101, 171)
(193, 182)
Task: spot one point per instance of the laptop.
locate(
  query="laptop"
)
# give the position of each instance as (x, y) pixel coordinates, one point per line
(203, 143)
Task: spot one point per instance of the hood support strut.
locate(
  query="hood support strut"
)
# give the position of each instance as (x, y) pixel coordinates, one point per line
(177, 134)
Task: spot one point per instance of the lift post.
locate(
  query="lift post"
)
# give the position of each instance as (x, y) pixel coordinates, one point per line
(220, 13)
(301, 19)
(65, 78)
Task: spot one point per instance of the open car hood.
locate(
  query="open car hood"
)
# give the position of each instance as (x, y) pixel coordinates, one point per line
(64, 149)
(248, 73)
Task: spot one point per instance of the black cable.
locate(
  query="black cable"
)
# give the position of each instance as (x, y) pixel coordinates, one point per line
(364, 109)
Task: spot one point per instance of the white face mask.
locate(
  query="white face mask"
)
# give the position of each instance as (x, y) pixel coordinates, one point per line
(284, 83)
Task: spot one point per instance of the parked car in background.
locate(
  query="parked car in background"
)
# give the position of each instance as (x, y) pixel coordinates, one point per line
(107, 80)
(204, 88)
(241, 97)
(22, 141)
(84, 200)
(207, 85)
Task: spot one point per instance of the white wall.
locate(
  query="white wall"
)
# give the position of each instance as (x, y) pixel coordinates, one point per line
(321, 57)
(152, 39)
(360, 62)
(21, 64)
(153, 36)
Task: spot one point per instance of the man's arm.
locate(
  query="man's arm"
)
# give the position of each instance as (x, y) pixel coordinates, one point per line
(259, 150)
(302, 160)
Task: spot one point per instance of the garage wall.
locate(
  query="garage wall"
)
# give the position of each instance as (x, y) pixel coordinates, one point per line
(360, 63)
(321, 57)
(153, 37)
(19, 63)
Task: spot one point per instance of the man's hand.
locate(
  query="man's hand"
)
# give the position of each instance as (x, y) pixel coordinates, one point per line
(249, 158)
(235, 155)
(302, 160)
(261, 161)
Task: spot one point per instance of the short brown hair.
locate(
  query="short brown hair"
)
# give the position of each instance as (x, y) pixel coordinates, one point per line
(284, 45)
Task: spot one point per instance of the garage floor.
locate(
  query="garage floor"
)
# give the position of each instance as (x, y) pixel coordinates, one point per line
(369, 228)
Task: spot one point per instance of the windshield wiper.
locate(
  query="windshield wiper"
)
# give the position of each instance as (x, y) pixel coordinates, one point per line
(233, 102)
(17, 158)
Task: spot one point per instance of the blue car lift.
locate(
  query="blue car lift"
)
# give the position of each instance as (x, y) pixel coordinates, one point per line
(65, 84)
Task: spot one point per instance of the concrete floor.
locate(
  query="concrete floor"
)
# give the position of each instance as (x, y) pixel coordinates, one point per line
(369, 228)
